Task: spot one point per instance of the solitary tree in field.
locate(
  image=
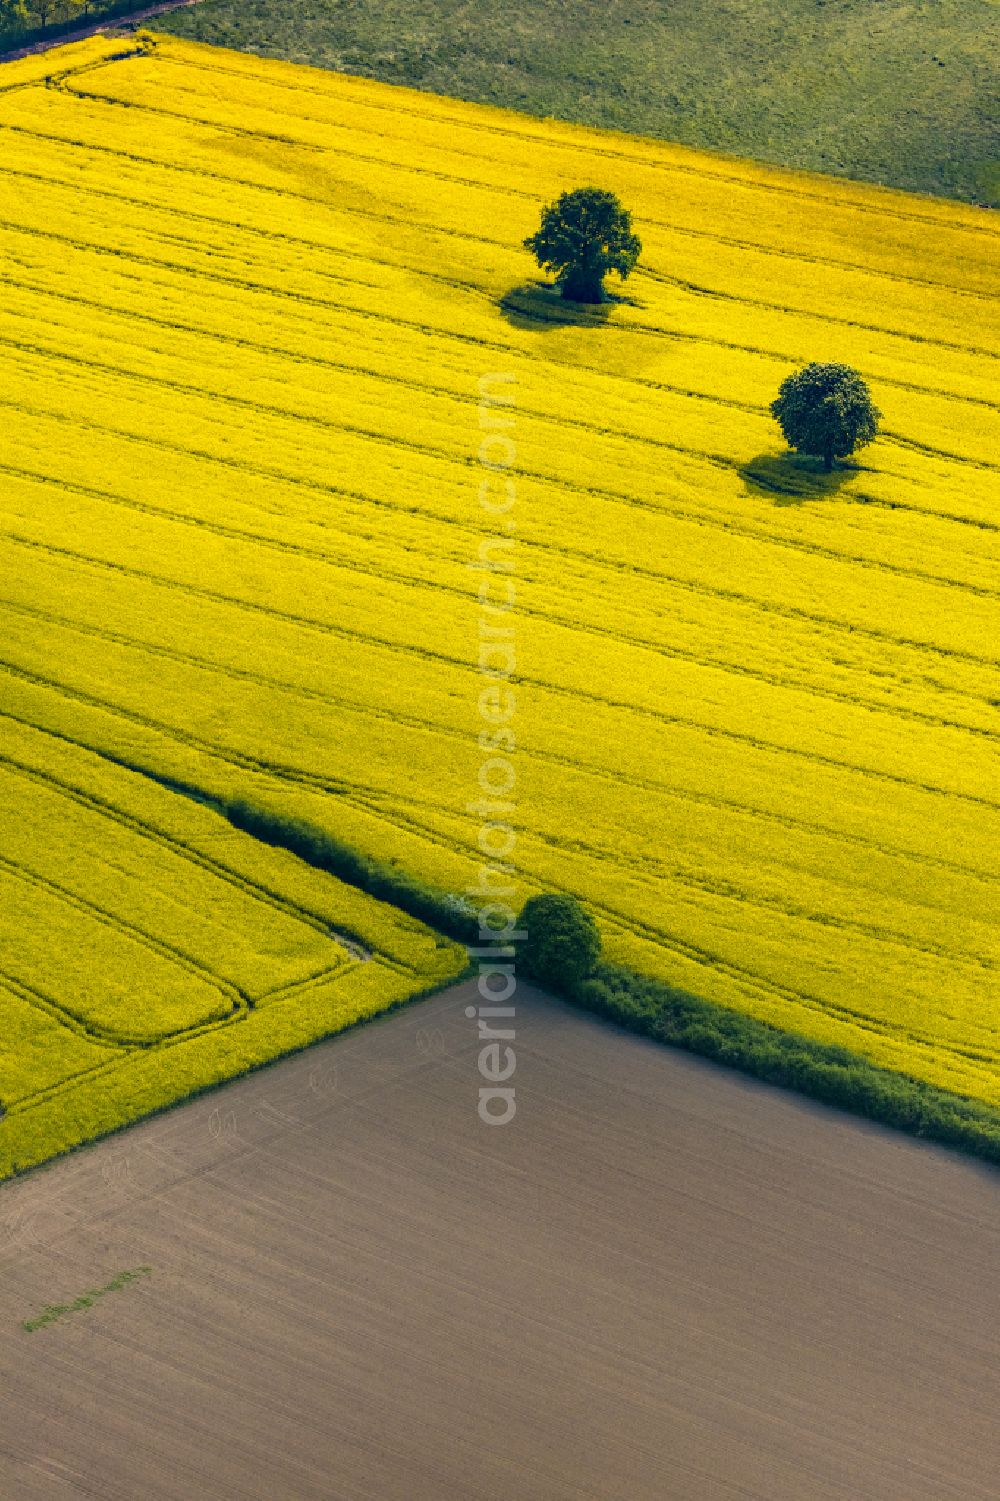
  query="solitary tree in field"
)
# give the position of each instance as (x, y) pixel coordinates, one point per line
(563, 943)
(826, 410)
(582, 236)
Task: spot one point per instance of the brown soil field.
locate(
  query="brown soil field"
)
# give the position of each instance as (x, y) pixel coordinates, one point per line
(659, 1281)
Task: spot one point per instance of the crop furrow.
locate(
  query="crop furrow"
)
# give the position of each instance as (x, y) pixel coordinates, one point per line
(907, 335)
(380, 573)
(81, 1023)
(118, 924)
(397, 442)
(314, 487)
(576, 693)
(151, 832)
(53, 1008)
(632, 782)
(452, 392)
(363, 708)
(466, 287)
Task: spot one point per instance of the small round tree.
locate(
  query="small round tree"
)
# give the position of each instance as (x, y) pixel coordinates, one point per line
(826, 410)
(563, 943)
(584, 235)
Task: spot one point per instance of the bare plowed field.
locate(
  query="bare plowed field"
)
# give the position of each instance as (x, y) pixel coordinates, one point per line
(659, 1281)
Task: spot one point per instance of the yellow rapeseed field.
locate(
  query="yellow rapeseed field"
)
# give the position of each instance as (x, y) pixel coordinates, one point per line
(149, 948)
(247, 312)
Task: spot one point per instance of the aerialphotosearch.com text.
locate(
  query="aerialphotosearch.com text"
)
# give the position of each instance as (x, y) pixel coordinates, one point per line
(496, 806)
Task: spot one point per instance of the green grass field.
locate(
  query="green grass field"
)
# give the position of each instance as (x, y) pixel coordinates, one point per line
(901, 92)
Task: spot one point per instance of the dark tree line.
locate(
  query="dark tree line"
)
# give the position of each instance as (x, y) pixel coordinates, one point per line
(36, 15)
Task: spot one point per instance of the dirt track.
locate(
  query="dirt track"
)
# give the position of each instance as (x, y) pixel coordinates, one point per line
(660, 1281)
(107, 23)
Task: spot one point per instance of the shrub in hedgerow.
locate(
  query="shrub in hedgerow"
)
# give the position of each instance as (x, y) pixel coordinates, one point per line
(563, 943)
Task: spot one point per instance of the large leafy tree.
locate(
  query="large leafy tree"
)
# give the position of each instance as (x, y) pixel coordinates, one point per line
(582, 236)
(13, 15)
(45, 12)
(826, 410)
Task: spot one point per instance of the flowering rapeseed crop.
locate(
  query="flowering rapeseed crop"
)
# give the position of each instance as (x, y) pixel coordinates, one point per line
(149, 948)
(245, 310)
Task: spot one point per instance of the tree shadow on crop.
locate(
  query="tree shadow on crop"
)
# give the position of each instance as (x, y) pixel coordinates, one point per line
(538, 305)
(789, 479)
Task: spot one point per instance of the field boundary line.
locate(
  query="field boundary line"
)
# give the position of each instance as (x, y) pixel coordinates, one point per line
(590, 148)
(255, 890)
(180, 1039)
(886, 935)
(418, 722)
(546, 129)
(694, 953)
(667, 789)
(97, 27)
(163, 56)
(904, 334)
